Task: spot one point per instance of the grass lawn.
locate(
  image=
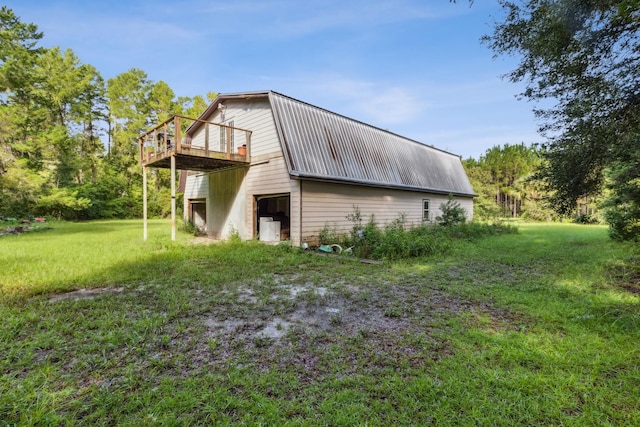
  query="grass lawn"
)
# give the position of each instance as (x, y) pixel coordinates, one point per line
(100, 328)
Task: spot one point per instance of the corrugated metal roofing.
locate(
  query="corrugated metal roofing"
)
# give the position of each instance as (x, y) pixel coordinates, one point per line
(320, 144)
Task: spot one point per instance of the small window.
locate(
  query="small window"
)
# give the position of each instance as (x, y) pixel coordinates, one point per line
(425, 210)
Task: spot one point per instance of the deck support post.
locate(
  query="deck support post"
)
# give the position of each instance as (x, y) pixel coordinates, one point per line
(144, 203)
(173, 197)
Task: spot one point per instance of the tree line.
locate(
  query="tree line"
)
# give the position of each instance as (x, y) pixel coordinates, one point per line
(504, 180)
(68, 138)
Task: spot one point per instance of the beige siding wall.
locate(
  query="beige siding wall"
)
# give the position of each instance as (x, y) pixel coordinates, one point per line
(254, 115)
(270, 177)
(231, 194)
(329, 204)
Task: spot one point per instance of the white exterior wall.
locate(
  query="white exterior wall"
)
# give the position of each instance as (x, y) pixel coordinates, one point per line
(329, 204)
(227, 198)
(196, 187)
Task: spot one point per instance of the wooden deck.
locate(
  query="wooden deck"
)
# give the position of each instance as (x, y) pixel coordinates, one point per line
(194, 159)
(165, 141)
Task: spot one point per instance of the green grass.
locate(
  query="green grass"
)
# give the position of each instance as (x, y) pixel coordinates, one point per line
(536, 328)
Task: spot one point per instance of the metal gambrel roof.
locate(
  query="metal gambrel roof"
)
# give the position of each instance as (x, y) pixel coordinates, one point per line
(322, 145)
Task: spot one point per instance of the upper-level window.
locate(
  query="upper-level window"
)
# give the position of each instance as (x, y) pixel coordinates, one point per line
(223, 137)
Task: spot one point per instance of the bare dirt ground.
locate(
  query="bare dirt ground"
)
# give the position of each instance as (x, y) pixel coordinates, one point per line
(308, 324)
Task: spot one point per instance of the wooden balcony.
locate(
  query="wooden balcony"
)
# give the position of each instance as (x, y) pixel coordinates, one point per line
(214, 146)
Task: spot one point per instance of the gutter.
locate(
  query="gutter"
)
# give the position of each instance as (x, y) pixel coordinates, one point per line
(365, 183)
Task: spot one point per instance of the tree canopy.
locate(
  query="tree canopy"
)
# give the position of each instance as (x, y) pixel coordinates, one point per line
(56, 114)
(584, 56)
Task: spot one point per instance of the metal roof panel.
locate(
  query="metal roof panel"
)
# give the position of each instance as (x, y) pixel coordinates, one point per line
(321, 144)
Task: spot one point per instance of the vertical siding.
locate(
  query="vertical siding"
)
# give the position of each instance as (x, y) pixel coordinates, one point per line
(329, 204)
(226, 203)
(196, 187)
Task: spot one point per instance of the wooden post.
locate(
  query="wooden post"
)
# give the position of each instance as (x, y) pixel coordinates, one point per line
(165, 138)
(141, 143)
(206, 139)
(155, 144)
(247, 137)
(173, 197)
(144, 203)
(178, 137)
(228, 132)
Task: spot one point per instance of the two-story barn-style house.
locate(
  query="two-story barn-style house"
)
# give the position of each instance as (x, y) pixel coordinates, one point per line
(264, 165)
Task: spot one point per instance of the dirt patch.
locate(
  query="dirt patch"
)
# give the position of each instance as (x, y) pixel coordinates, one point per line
(310, 326)
(300, 324)
(82, 294)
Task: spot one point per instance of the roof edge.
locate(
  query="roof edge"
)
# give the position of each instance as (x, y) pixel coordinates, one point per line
(222, 97)
(366, 183)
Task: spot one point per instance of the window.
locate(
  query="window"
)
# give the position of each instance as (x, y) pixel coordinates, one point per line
(223, 137)
(425, 210)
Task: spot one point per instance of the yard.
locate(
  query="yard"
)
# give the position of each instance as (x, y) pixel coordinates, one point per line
(98, 327)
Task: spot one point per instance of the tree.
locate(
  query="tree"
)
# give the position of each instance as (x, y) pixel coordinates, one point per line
(21, 153)
(503, 179)
(18, 51)
(585, 57)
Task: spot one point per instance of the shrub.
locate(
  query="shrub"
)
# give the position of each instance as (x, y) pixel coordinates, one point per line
(188, 227)
(329, 235)
(586, 219)
(452, 213)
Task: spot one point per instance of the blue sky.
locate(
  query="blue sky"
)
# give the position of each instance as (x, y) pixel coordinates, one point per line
(414, 67)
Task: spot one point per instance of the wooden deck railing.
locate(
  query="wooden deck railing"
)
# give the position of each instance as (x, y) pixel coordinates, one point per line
(170, 137)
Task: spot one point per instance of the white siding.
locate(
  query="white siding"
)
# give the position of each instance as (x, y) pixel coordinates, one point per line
(226, 203)
(196, 187)
(329, 204)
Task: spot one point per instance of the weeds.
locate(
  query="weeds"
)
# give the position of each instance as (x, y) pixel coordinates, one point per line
(396, 241)
(188, 227)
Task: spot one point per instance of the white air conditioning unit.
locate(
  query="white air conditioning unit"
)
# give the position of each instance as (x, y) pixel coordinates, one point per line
(269, 230)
